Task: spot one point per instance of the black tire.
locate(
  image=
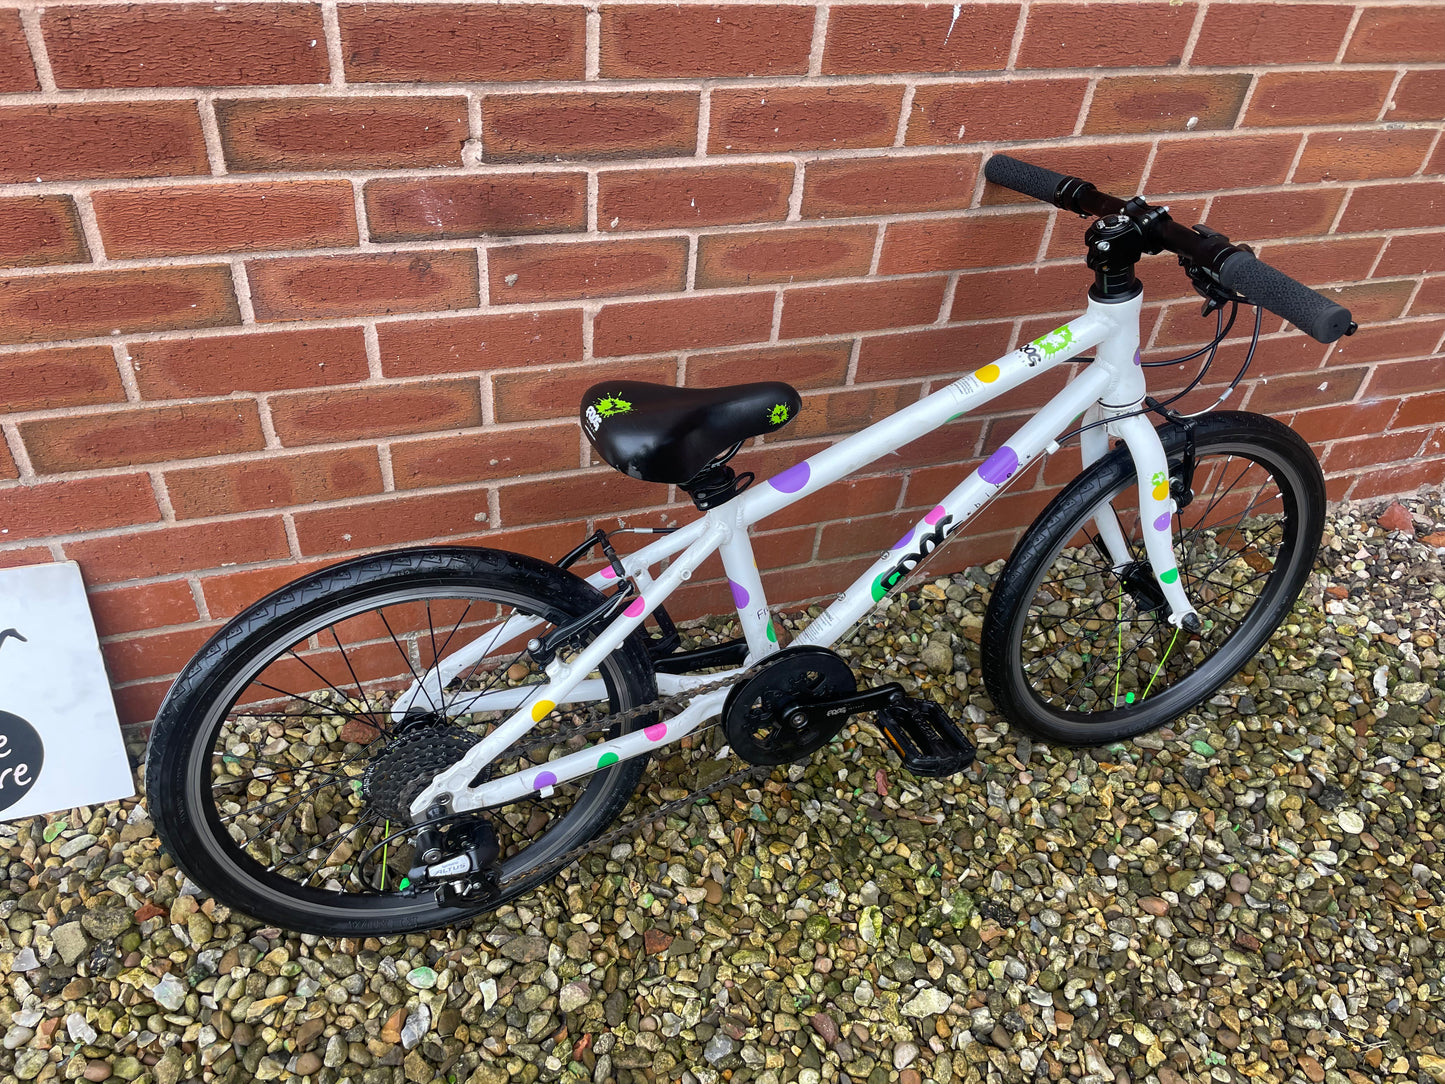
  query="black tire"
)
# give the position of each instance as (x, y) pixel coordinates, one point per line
(1079, 655)
(201, 747)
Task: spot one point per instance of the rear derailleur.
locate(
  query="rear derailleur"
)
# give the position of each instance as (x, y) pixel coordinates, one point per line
(457, 861)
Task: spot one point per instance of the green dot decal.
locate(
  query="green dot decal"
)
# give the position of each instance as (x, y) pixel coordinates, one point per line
(1128, 698)
(405, 883)
(878, 589)
(772, 633)
(1169, 576)
(606, 759)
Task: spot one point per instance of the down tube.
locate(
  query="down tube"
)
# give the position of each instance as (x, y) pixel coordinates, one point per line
(955, 509)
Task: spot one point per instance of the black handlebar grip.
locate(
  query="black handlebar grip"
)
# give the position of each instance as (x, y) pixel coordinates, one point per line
(1311, 312)
(1031, 180)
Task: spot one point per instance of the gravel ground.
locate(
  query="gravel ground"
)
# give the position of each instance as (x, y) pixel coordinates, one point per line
(1258, 894)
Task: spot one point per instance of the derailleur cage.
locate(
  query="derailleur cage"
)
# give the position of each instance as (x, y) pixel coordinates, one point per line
(457, 861)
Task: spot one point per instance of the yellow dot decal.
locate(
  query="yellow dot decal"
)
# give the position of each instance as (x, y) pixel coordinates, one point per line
(1161, 491)
(988, 374)
(541, 709)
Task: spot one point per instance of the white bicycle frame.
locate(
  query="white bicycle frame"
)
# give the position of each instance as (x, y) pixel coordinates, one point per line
(1110, 389)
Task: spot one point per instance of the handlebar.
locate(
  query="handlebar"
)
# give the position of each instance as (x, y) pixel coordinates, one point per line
(1201, 249)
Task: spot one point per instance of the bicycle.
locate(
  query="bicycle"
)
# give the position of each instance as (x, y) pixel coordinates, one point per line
(509, 706)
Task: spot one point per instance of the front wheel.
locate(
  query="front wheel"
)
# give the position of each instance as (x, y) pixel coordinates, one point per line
(285, 758)
(1080, 651)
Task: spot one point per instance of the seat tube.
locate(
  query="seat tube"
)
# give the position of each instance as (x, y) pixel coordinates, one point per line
(746, 587)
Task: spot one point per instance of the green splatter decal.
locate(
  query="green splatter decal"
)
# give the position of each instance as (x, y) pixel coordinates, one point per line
(1054, 341)
(779, 414)
(1170, 576)
(610, 406)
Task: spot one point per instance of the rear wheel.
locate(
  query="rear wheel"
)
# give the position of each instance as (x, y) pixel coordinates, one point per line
(281, 768)
(1082, 653)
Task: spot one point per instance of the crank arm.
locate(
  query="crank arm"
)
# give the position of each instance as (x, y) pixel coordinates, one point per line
(879, 699)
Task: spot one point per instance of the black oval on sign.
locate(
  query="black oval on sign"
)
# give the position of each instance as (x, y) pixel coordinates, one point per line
(22, 754)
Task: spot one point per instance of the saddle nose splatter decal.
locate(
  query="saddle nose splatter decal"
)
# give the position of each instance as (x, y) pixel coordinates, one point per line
(779, 414)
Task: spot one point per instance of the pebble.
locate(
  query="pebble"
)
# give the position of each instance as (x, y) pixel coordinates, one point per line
(1350, 821)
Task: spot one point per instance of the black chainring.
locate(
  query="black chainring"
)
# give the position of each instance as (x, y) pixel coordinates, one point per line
(395, 777)
(759, 715)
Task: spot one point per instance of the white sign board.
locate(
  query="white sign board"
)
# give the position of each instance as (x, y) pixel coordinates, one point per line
(60, 743)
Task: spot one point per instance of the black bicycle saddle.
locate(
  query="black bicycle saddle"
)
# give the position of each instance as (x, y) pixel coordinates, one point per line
(659, 433)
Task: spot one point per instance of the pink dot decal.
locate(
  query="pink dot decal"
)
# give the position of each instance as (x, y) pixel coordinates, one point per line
(740, 594)
(903, 541)
(638, 607)
(656, 732)
(608, 573)
(1162, 523)
(935, 515)
(544, 779)
(1000, 466)
(792, 479)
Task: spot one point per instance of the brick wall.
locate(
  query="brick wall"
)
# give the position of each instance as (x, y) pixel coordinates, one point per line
(288, 281)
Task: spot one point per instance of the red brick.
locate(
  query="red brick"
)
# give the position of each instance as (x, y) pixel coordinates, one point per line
(699, 41)
(1431, 297)
(1404, 478)
(1165, 103)
(186, 45)
(855, 496)
(847, 410)
(772, 549)
(149, 434)
(228, 593)
(1234, 35)
(79, 504)
(85, 303)
(373, 284)
(1389, 341)
(8, 469)
(1354, 156)
(1421, 410)
(320, 417)
(839, 187)
(555, 272)
(887, 38)
(1413, 254)
(863, 306)
(169, 550)
(751, 259)
(161, 654)
(650, 327)
(818, 365)
(1418, 96)
(82, 140)
(1373, 302)
(582, 493)
(149, 606)
(857, 536)
(952, 243)
(692, 196)
(261, 362)
(253, 217)
(953, 442)
(342, 133)
(256, 485)
(1212, 162)
(803, 118)
(1318, 97)
(78, 376)
(36, 230)
(1250, 216)
(934, 352)
(1338, 259)
(549, 127)
(1321, 424)
(1285, 393)
(1406, 377)
(459, 43)
(520, 395)
(1397, 35)
(1395, 207)
(986, 295)
(484, 205)
(1075, 36)
(469, 457)
(1111, 167)
(477, 343)
(814, 580)
(17, 72)
(950, 113)
(136, 705)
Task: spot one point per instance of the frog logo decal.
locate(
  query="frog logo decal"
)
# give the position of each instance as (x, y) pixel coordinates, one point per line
(779, 414)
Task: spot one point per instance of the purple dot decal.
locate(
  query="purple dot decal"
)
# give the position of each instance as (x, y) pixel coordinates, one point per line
(656, 732)
(637, 609)
(937, 513)
(544, 779)
(1000, 466)
(792, 479)
(903, 541)
(740, 594)
(1162, 523)
(608, 573)
(1137, 359)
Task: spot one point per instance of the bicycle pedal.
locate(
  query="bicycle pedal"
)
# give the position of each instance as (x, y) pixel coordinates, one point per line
(929, 742)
